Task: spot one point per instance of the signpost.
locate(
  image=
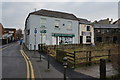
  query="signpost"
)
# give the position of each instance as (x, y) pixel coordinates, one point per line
(35, 31)
(42, 31)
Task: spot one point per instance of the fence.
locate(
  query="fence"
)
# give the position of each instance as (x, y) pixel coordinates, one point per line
(91, 56)
(76, 57)
(83, 57)
(64, 46)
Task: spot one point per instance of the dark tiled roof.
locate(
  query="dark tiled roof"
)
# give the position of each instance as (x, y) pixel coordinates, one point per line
(117, 21)
(106, 26)
(9, 28)
(83, 21)
(55, 14)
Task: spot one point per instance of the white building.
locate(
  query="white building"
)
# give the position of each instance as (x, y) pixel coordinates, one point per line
(86, 32)
(51, 28)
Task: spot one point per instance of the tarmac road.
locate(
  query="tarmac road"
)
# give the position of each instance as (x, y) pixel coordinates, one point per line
(13, 63)
(19, 64)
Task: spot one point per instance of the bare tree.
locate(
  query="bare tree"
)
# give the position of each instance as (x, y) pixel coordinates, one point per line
(19, 34)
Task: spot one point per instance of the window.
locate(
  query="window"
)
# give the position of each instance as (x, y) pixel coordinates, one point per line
(88, 38)
(43, 22)
(28, 32)
(88, 28)
(98, 39)
(57, 24)
(69, 27)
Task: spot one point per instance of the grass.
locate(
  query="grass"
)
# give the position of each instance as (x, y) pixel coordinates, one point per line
(113, 48)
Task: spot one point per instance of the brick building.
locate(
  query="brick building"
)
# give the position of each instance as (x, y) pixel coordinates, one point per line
(107, 33)
(9, 35)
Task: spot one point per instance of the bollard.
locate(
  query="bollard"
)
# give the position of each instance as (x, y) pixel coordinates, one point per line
(109, 55)
(48, 67)
(102, 69)
(34, 49)
(65, 66)
(39, 46)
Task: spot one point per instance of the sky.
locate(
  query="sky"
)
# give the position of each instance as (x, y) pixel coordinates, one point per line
(14, 13)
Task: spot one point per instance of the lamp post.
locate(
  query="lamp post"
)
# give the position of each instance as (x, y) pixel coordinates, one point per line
(65, 66)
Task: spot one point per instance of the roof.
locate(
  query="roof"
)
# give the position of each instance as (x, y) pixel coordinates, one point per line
(9, 28)
(84, 21)
(1, 25)
(106, 26)
(117, 21)
(55, 14)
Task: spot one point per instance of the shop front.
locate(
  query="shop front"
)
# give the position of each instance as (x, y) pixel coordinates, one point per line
(58, 38)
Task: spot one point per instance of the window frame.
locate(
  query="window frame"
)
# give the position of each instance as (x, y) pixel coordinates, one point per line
(69, 25)
(88, 38)
(57, 24)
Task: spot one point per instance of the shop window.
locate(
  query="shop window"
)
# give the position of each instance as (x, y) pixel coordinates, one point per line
(88, 38)
(65, 40)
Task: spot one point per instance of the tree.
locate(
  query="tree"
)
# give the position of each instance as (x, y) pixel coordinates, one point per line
(19, 34)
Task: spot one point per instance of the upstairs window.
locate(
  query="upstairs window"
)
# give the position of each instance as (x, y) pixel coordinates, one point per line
(69, 27)
(43, 22)
(57, 24)
(88, 28)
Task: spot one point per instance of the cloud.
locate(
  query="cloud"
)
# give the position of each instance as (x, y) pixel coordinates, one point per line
(15, 13)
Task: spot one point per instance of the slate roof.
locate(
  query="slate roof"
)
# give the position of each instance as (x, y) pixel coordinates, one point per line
(106, 26)
(83, 21)
(55, 14)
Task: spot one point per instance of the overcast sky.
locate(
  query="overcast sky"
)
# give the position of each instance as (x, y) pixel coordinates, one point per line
(15, 13)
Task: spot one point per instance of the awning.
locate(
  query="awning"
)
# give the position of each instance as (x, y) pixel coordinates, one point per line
(63, 35)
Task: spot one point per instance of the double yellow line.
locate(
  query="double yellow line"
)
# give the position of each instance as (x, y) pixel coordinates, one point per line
(30, 70)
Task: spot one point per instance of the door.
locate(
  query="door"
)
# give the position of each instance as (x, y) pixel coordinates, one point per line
(81, 39)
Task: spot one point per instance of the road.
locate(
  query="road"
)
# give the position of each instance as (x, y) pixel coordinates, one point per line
(13, 64)
(24, 64)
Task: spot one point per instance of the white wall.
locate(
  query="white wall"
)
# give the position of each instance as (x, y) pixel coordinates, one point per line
(34, 22)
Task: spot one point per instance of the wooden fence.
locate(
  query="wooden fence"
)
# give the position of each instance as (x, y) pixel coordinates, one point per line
(88, 57)
(77, 57)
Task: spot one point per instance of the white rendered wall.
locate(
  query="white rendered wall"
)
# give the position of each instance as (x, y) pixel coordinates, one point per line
(50, 24)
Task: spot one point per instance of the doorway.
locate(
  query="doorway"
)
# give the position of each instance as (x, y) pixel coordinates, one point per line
(81, 39)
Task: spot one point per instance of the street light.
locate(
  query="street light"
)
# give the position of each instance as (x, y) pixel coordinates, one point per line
(65, 66)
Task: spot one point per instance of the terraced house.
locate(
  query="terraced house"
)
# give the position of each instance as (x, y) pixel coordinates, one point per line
(51, 28)
(86, 32)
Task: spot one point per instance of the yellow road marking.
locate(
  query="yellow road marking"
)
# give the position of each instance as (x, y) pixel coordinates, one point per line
(30, 63)
(28, 75)
(32, 70)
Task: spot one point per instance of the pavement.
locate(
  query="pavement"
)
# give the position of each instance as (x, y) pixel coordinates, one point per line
(94, 70)
(56, 70)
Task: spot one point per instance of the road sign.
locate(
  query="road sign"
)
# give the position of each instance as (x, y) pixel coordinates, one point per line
(35, 31)
(43, 31)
